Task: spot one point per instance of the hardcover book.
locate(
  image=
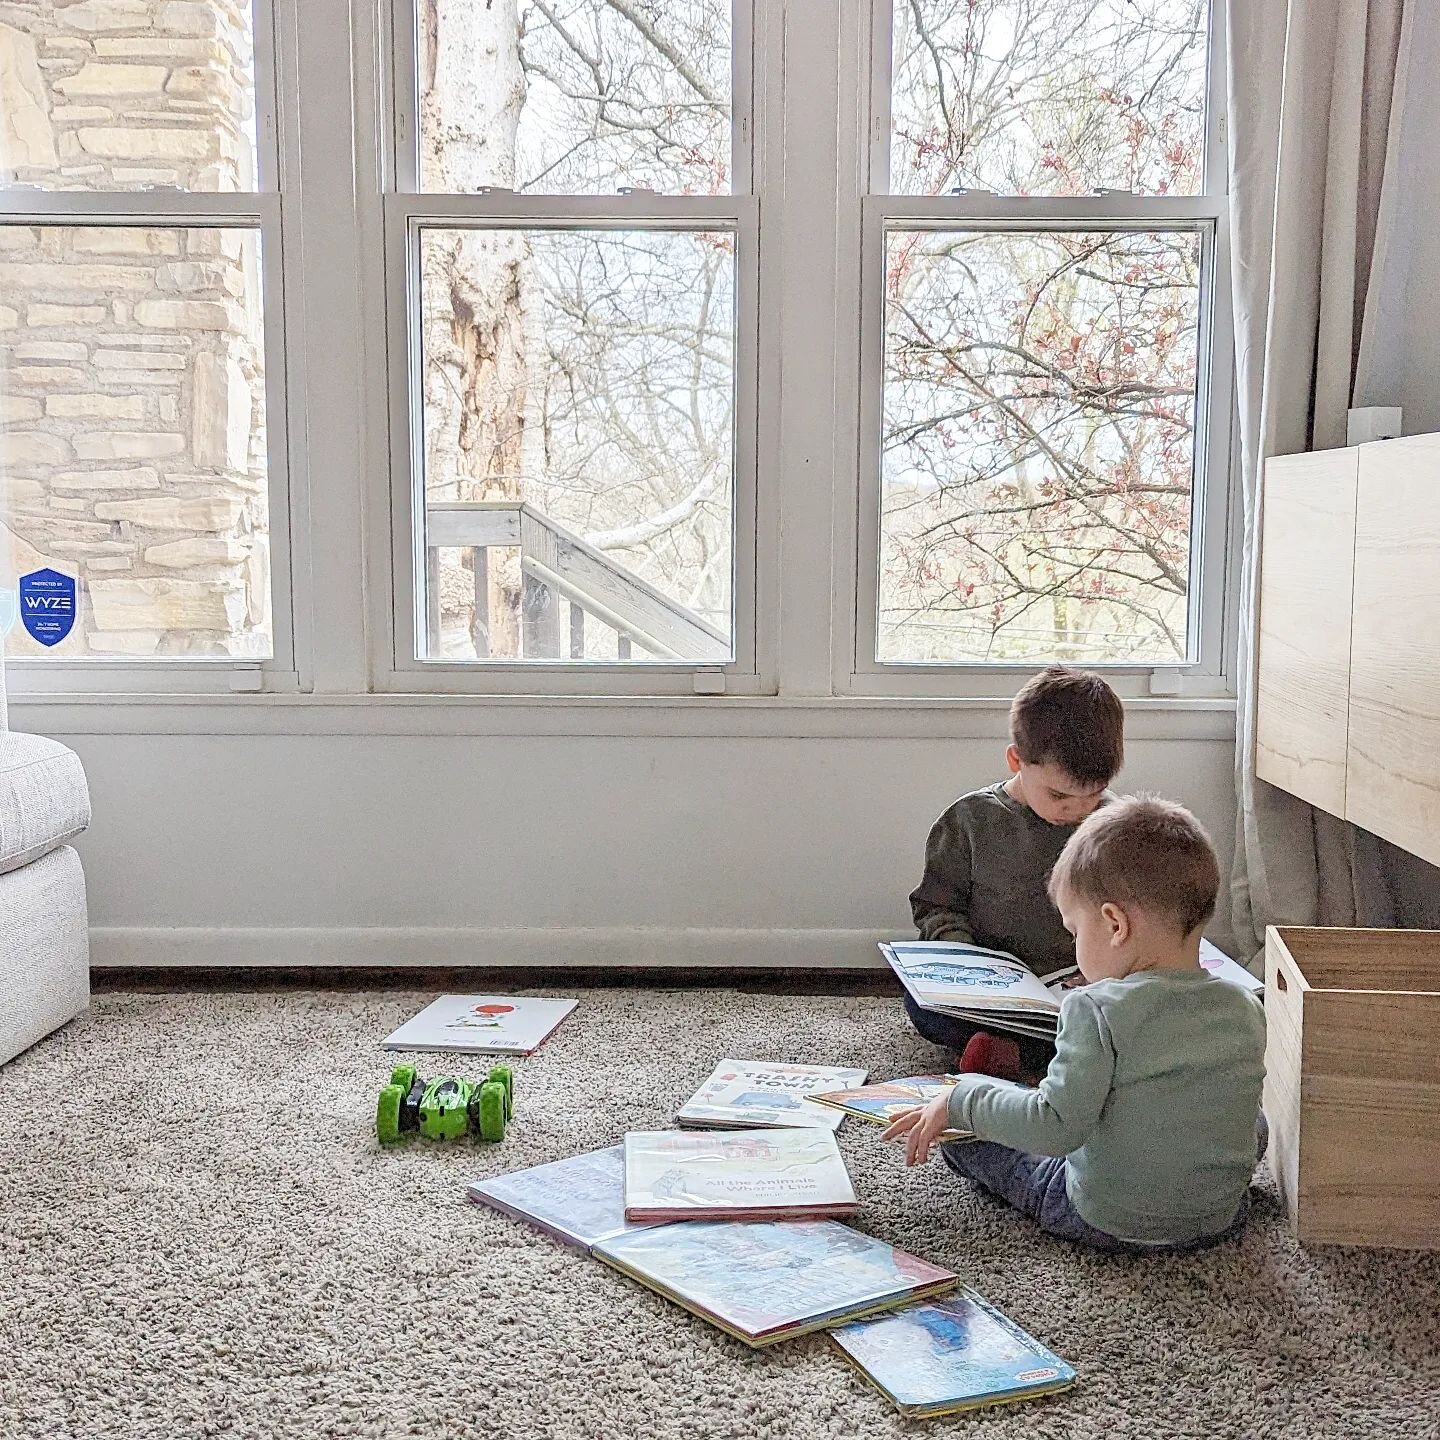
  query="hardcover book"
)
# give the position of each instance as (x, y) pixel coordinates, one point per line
(765, 1282)
(482, 1024)
(997, 992)
(990, 987)
(735, 1175)
(882, 1101)
(952, 1354)
(579, 1200)
(751, 1094)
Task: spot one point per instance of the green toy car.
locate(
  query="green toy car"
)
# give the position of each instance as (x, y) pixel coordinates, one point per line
(449, 1108)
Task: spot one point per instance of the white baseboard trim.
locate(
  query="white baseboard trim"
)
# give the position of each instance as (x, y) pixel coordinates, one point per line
(397, 947)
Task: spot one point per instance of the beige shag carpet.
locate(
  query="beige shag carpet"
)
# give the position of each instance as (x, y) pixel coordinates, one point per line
(200, 1237)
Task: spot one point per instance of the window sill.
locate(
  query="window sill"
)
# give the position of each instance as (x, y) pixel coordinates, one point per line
(699, 717)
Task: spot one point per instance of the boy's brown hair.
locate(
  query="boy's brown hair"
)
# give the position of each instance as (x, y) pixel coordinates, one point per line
(1142, 851)
(1073, 719)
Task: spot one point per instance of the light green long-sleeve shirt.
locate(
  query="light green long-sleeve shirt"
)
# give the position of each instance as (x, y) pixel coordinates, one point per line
(1152, 1095)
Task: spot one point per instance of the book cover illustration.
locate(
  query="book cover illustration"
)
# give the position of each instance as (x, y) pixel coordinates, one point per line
(940, 972)
(882, 1101)
(952, 1354)
(763, 1281)
(579, 1200)
(482, 1024)
(734, 1174)
(752, 1093)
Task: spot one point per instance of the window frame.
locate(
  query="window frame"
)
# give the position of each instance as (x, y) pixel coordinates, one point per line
(264, 212)
(406, 211)
(1208, 670)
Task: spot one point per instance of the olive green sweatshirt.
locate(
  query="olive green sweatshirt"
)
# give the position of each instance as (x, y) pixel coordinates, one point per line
(986, 863)
(1152, 1095)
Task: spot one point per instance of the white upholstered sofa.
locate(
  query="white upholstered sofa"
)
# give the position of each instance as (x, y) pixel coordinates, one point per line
(44, 941)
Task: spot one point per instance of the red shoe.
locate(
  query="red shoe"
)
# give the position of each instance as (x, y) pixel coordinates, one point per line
(996, 1055)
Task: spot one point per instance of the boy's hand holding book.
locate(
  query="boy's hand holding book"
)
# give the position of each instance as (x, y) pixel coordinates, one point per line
(921, 1127)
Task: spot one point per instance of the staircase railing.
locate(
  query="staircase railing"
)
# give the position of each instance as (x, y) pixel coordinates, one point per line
(556, 564)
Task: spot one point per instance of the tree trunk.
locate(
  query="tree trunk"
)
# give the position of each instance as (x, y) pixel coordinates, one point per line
(472, 282)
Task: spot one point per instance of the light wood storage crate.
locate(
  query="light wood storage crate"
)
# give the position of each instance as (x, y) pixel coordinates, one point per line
(1352, 1083)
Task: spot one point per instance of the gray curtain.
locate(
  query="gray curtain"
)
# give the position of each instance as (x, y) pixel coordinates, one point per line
(1334, 109)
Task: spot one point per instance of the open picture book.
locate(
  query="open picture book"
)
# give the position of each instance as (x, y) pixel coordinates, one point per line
(882, 1101)
(735, 1175)
(997, 991)
(955, 1353)
(755, 1094)
(482, 1024)
(767, 1282)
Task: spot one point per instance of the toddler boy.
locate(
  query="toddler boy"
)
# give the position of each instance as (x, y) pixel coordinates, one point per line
(990, 854)
(1146, 1129)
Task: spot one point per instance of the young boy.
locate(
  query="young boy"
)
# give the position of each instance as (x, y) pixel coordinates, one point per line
(989, 854)
(1145, 1131)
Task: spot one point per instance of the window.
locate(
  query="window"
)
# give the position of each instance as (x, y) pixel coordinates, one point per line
(615, 347)
(1040, 477)
(138, 246)
(575, 236)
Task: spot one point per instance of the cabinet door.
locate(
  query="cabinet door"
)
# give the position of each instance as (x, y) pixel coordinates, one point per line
(1303, 677)
(1393, 779)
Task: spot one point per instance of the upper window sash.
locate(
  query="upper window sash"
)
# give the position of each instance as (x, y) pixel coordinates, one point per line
(731, 173)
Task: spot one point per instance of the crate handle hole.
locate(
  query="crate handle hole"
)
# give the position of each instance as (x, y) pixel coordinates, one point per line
(1280, 981)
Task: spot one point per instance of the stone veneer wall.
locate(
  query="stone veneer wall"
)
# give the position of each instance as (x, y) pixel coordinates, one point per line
(132, 435)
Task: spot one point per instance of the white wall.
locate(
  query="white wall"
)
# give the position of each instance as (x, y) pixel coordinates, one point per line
(407, 848)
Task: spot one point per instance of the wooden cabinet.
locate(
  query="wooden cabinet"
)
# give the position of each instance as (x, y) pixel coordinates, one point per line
(1348, 683)
(1308, 553)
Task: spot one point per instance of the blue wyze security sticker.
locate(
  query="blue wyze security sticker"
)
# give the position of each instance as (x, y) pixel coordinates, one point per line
(47, 605)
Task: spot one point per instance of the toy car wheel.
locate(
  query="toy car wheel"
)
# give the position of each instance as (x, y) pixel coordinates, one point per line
(387, 1114)
(492, 1110)
(403, 1076)
(504, 1075)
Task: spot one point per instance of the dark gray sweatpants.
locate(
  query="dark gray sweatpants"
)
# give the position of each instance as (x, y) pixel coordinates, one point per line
(1035, 1185)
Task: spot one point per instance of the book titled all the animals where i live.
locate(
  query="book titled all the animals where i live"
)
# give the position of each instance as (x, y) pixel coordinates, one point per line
(996, 990)
(885, 1099)
(482, 1024)
(580, 1200)
(753, 1094)
(735, 1175)
(956, 1353)
(764, 1282)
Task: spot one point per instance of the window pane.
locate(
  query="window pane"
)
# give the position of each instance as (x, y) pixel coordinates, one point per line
(1038, 446)
(128, 95)
(578, 393)
(132, 436)
(575, 96)
(1048, 97)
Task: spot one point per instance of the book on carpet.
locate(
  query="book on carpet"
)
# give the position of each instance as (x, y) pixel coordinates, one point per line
(482, 1024)
(956, 1353)
(997, 991)
(754, 1094)
(881, 1101)
(764, 1282)
(735, 1175)
(579, 1200)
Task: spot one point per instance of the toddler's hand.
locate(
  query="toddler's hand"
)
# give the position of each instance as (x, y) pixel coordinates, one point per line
(922, 1127)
